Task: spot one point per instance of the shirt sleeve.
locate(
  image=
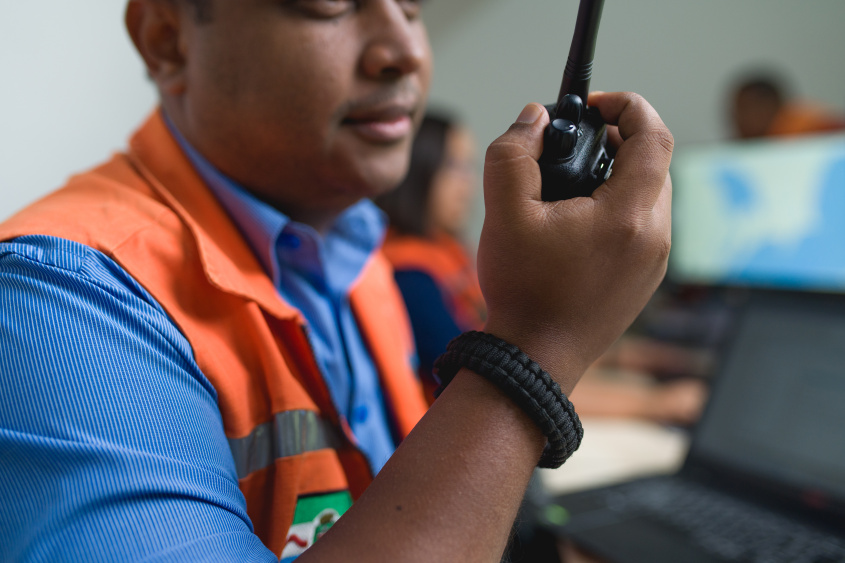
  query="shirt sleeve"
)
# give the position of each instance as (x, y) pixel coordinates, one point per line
(111, 443)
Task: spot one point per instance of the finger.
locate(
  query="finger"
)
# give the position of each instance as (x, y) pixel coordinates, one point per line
(511, 172)
(614, 139)
(642, 161)
(630, 111)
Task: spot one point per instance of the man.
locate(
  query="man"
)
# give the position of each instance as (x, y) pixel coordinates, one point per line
(761, 107)
(183, 327)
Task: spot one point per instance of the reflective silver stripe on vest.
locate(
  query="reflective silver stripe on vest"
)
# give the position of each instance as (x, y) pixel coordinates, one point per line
(289, 433)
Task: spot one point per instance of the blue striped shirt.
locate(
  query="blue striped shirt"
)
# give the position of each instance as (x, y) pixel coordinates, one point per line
(111, 443)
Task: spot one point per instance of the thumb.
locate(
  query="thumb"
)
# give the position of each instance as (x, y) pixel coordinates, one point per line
(511, 172)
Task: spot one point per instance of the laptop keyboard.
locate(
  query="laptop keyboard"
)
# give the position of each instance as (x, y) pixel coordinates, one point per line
(725, 526)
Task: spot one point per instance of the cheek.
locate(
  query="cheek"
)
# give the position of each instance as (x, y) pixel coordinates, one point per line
(280, 79)
(426, 60)
(306, 109)
(305, 79)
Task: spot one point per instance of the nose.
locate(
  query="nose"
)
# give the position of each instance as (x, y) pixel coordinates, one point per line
(397, 45)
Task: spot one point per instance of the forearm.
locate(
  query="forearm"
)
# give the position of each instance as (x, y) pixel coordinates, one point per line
(453, 488)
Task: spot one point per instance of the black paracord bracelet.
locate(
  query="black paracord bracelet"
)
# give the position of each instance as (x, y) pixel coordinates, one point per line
(521, 379)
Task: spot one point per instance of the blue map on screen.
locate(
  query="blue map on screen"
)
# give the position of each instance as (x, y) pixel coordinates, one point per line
(768, 213)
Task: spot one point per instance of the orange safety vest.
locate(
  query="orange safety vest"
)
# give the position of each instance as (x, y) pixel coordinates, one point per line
(443, 259)
(150, 212)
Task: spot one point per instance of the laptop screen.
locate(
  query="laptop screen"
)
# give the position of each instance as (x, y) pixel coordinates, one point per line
(764, 213)
(778, 408)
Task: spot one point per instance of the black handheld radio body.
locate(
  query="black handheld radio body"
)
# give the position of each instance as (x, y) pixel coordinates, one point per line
(575, 159)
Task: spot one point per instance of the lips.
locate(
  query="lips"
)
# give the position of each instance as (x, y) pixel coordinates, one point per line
(386, 123)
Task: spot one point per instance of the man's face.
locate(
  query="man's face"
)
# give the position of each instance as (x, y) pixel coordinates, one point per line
(310, 104)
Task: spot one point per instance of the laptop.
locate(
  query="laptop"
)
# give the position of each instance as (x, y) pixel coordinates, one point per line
(764, 479)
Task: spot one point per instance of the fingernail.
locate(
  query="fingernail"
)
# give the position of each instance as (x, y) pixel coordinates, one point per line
(530, 114)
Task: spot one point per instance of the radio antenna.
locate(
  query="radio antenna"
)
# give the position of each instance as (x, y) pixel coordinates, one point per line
(579, 65)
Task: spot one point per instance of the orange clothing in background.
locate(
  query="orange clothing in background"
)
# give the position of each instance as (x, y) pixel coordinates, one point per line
(798, 118)
(445, 260)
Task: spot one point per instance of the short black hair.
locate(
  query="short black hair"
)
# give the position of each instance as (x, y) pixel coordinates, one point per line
(763, 84)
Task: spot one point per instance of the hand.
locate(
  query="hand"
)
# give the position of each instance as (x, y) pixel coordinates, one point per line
(677, 402)
(657, 358)
(562, 280)
(610, 393)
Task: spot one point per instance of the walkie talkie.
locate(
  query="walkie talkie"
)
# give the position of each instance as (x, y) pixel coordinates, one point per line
(575, 160)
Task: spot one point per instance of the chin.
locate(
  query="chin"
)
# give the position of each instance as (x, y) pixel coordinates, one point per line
(379, 178)
(386, 186)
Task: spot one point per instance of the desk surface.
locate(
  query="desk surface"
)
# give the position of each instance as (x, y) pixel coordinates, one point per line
(616, 450)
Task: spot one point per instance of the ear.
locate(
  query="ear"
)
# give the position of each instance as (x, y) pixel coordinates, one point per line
(155, 27)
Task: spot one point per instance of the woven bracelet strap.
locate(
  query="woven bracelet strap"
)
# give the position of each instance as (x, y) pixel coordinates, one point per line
(525, 382)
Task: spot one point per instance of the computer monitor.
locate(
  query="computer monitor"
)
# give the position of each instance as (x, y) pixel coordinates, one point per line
(767, 213)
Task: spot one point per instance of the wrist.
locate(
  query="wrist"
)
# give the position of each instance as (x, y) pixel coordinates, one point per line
(550, 348)
(524, 382)
(496, 406)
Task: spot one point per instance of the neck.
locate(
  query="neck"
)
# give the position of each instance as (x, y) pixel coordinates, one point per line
(320, 216)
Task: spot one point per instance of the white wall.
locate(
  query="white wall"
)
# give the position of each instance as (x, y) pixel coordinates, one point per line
(72, 89)
(679, 54)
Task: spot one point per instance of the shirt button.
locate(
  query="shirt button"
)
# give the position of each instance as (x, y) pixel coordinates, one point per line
(290, 240)
(360, 414)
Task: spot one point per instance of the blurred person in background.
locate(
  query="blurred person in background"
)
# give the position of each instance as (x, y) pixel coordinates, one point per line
(427, 213)
(761, 105)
